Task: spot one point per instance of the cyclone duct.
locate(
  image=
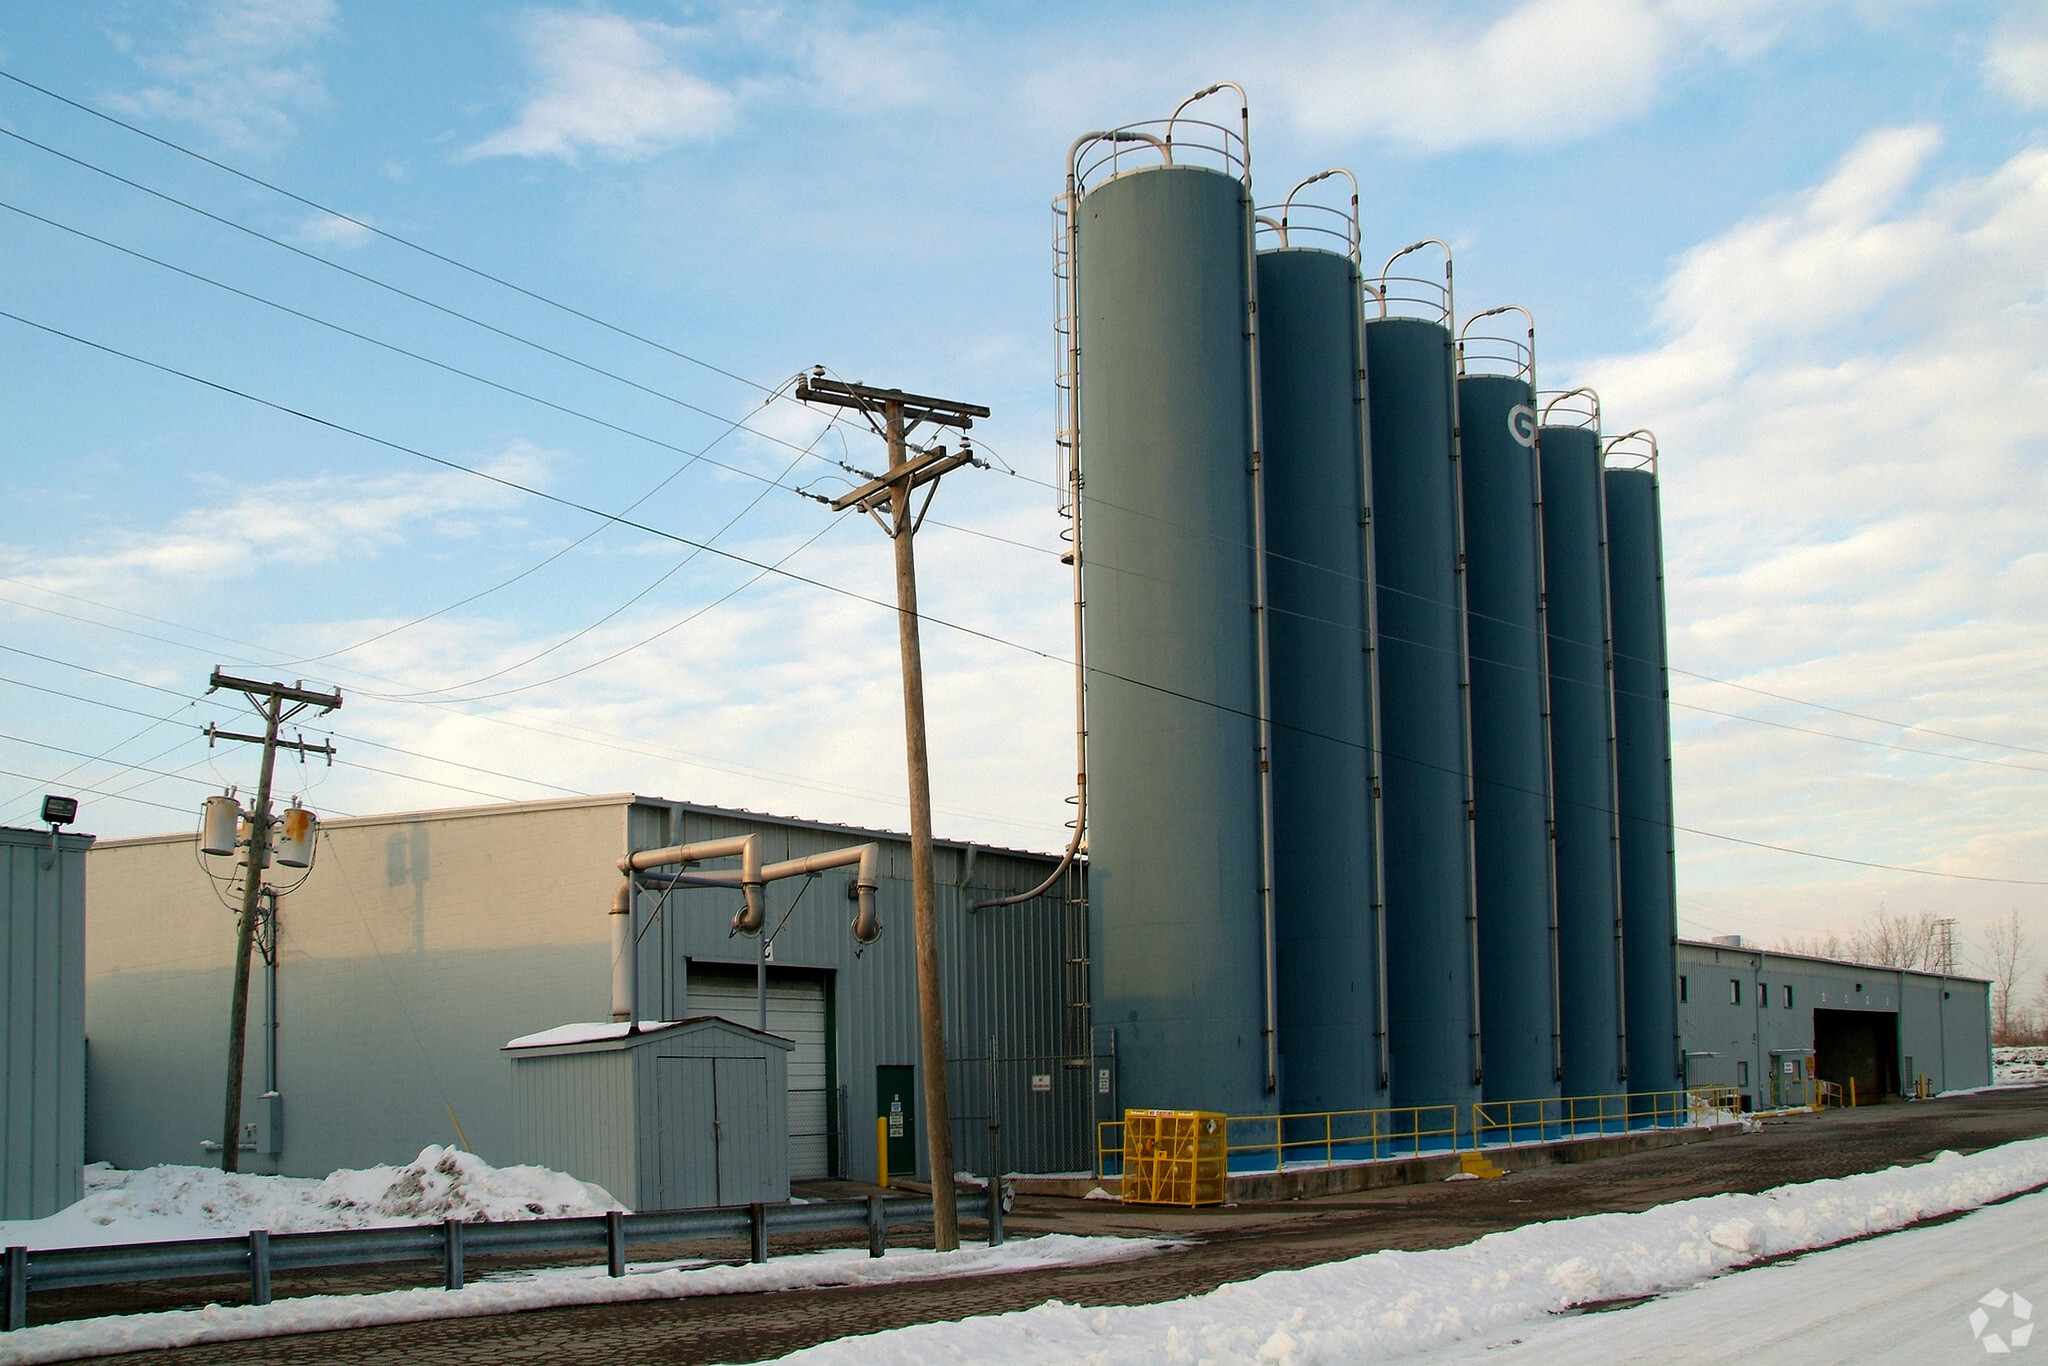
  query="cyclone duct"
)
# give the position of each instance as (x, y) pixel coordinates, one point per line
(1418, 563)
(1642, 728)
(1325, 815)
(1582, 748)
(1514, 884)
(1165, 394)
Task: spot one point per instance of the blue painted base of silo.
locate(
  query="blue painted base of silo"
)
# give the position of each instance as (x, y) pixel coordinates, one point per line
(1325, 827)
(1582, 762)
(1510, 739)
(1431, 987)
(1642, 727)
(1173, 808)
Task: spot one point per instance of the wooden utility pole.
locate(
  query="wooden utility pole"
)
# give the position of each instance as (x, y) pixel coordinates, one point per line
(901, 413)
(274, 697)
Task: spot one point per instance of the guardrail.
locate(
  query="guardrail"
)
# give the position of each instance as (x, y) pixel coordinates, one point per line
(1265, 1143)
(261, 1254)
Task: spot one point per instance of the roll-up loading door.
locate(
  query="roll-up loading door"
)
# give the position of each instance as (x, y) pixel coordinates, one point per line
(796, 1011)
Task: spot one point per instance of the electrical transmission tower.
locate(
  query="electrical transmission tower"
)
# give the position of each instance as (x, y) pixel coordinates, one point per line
(902, 414)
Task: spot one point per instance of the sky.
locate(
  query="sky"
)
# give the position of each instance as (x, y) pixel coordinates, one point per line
(1804, 242)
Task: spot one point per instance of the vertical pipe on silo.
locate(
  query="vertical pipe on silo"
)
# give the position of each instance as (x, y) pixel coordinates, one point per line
(1326, 836)
(1418, 549)
(1642, 715)
(1510, 713)
(1582, 759)
(1168, 487)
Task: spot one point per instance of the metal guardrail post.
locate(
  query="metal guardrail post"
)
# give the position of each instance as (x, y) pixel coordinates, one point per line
(259, 1266)
(757, 1231)
(451, 1254)
(615, 1242)
(17, 1288)
(995, 1212)
(877, 1230)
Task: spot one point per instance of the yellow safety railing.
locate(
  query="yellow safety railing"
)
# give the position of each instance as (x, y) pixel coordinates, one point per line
(1552, 1119)
(1826, 1093)
(1268, 1143)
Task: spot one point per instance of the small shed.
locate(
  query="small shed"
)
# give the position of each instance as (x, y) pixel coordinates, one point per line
(673, 1115)
(42, 1021)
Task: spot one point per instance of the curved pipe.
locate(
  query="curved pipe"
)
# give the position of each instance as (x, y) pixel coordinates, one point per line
(1287, 204)
(622, 952)
(1278, 225)
(1640, 433)
(867, 926)
(1450, 309)
(1556, 399)
(1243, 113)
(1527, 317)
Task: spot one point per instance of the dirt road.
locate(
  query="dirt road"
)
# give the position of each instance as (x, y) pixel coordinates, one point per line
(1235, 1243)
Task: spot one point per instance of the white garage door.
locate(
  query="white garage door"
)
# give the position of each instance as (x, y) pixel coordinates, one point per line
(796, 1011)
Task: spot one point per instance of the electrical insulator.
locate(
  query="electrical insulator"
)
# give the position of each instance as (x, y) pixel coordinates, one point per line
(295, 837)
(218, 825)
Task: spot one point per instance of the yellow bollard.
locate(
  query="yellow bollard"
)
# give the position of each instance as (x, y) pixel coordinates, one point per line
(1852, 1093)
(882, 1151)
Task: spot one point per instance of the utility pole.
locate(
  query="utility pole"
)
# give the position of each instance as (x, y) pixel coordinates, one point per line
(272, 705)
(901, 414)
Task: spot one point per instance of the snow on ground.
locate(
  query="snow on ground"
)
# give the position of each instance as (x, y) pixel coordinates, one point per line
(1909, 1297)
(1391, 1304)
(161, 1204)
(2018, 1065)
(551, 1288)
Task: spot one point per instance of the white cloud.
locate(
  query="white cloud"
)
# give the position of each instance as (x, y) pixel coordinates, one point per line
(1853, 405)
(240, 72)
(2016, 63)
(326, 229)
(609, 85)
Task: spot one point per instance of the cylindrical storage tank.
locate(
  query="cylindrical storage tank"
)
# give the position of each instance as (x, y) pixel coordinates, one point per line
(1325, 827)
(1642, 730)
(1432, 1001)
(1161, 259)
(1582, 761)
(1510, 736)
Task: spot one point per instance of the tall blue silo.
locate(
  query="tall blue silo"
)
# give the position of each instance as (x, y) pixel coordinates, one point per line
(1642, 730)
(1325, 814)
(1165, 395)
(1511, 828)
(1582, 759)
(1425, 811)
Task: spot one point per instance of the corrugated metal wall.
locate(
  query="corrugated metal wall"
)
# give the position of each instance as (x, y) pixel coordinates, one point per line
(42, 976)
(578, 1113)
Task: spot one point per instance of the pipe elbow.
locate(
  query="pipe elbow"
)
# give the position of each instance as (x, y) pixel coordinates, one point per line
(867, 925)
(753, 916)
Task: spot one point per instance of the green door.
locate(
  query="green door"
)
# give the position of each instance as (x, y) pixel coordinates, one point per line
(896, 1103)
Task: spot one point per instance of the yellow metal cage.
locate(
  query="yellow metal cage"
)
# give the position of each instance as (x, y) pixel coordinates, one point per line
(1175, 1157)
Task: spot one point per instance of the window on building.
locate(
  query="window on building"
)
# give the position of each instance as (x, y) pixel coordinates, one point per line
(1681, 990)
(1788, 996)
(1741, 1073)
(1734, 991)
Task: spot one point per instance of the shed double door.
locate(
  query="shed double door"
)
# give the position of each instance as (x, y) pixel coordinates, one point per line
(709, 1116)
(796, 1011)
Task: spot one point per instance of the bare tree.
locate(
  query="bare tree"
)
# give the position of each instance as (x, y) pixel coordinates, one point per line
(2007, 950)
(1828, 945)
(1898, 941)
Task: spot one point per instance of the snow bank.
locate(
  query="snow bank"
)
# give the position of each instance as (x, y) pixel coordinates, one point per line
(161, 1204)
(1393, 1304)
(2018, 1065)
(551, 1288)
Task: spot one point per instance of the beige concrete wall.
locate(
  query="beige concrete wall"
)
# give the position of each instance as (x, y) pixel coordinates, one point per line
(418, 945)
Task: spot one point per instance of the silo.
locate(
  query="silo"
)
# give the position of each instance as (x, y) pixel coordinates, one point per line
(1511, 827)
(1582, 755)
(1164, 377)
(1325, 816)
(1425, 812)
(1642, 731)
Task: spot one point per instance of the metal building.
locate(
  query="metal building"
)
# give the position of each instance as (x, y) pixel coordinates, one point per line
(1582, 753)
(1770, 1024)
(675, 1116)
(1418, 561)
(1642, 763)
(42, 1011)
(1515, 884)
(1325, 811)
(422, 941)
(1158, 246)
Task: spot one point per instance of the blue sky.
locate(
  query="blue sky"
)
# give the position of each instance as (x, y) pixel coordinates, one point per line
(1805, 242)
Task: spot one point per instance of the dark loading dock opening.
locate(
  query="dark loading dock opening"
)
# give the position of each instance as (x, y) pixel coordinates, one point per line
(1858, 1044)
